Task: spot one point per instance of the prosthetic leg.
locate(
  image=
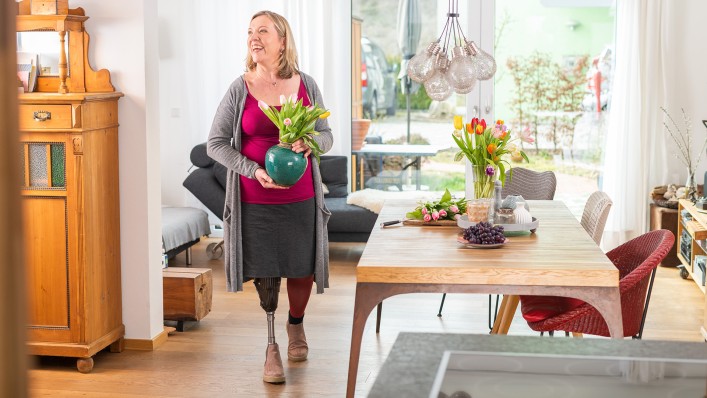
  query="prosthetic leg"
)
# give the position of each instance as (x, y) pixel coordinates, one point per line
(268, 291)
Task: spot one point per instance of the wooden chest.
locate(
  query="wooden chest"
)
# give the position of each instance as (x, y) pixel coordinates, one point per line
(186, 293)
(665, 218)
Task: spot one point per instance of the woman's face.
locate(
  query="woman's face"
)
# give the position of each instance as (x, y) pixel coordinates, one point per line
(264, 43)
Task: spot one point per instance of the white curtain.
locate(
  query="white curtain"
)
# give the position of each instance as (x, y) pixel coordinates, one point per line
(203, 49)
(636, 155)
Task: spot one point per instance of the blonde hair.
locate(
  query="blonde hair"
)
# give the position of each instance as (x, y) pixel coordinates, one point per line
(287, 65)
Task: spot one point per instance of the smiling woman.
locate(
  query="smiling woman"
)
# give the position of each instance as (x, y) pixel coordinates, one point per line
(265, 201)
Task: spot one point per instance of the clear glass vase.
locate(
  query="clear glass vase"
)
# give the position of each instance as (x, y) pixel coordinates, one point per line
(484, 178)
(690, 186)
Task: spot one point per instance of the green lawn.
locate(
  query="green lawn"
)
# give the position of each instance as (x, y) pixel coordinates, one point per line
(454, 181)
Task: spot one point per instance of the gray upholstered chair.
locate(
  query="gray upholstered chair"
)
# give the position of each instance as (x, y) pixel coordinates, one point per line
(596, 211)
(531, 185)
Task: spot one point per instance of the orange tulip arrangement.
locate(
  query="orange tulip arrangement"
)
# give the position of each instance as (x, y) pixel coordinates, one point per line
(487, 145)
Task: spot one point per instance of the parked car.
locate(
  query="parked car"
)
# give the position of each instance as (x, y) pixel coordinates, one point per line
(377, 81)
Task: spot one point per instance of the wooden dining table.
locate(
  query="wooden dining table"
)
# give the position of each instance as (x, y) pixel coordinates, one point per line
(559, 259)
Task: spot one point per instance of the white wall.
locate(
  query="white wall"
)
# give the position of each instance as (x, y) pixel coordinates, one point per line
(687, 65)
(123, 40)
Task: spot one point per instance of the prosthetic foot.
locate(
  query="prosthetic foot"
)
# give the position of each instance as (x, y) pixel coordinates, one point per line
(268, 290)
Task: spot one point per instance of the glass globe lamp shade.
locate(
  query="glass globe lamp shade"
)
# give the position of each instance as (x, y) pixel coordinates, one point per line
(421, 66)
(461, 73)
(437, 86)
(484, 64)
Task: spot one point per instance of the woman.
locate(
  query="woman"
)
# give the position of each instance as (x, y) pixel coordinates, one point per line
(271, 231)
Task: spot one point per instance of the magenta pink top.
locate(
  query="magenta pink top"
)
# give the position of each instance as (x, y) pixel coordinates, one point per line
(258, 135)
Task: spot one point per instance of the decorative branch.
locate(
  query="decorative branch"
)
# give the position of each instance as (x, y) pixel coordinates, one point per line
(683, 140)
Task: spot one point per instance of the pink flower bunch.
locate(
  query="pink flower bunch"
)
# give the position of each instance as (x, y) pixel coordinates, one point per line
(447, 208)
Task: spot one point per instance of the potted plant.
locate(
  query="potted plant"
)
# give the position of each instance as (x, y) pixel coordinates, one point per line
(294, 121)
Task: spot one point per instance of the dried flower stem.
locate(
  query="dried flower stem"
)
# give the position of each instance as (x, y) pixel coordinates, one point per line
(683, 141)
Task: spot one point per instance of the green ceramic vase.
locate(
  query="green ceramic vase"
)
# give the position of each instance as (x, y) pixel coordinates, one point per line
(285, 166)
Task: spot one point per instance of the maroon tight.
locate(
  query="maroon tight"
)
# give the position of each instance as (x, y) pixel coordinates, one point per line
(298, 291)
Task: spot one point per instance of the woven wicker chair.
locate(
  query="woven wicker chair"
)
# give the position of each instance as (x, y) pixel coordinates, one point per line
(636, 261)
(596, 211)
(531, 185)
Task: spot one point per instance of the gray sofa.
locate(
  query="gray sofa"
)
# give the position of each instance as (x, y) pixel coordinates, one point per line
(348, 223)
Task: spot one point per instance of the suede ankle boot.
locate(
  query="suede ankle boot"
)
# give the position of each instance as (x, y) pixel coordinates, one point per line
(297, 350)
(273, 371)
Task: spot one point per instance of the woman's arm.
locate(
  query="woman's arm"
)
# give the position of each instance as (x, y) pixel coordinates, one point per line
(218, 146)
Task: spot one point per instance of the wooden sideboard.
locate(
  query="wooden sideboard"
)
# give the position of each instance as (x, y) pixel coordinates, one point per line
(71, 223)
(70, 199)
(694, 230)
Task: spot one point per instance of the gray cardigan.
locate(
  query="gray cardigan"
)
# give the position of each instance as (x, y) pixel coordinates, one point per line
(224, 146)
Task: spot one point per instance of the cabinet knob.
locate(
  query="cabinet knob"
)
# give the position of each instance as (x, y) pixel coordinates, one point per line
(41, 116)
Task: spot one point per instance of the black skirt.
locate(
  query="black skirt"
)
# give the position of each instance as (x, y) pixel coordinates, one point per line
(278, 240)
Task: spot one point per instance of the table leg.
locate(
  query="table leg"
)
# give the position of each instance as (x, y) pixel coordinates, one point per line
(508, 313)
(361, 176)
(367, 297)
(499, 318)
(609, 306)
(417, 172)
(606, 300)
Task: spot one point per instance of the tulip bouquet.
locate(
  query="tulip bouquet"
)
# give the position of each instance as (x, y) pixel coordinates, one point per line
(447, 208)
(295, 121)
(485, 146)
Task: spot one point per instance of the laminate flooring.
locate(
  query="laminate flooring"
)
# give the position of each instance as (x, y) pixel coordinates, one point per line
(223, 354)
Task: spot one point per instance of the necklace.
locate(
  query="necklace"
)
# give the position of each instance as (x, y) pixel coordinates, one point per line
(274, 83)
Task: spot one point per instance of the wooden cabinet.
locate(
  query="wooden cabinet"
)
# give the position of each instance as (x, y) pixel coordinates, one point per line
(71, 225)
(691, 235)
(70, 207)
(665, 218)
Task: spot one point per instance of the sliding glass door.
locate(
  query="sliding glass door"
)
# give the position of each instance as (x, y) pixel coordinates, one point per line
(554, 67)
(555, 63)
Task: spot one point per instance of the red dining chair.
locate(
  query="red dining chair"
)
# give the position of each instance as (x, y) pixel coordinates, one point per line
(636, 261)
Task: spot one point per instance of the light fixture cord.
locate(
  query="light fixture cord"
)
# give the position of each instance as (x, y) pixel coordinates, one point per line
(461, 33)
(444, 30)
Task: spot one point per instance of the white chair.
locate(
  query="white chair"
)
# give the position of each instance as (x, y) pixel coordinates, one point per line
(595, 214)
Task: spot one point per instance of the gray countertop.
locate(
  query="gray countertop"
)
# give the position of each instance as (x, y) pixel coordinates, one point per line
(411, 366)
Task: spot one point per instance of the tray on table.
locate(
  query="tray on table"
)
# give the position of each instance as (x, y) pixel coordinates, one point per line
(463, 222)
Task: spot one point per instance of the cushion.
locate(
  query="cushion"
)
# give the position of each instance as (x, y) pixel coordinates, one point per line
(334, 170)
(205, 187)
(182, 225)
(325, 189)
(221, 173)
(348, 218)
(540, 308)
(198, 156)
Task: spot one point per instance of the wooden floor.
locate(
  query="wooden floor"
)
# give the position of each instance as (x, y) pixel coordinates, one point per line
(222, 356)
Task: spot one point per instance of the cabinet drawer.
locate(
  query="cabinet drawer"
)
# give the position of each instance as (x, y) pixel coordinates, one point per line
(45, 117)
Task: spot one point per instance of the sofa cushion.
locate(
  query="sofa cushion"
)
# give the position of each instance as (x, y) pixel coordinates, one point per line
(334, 171)
(199, 158)
(349, 218)
(204, 185)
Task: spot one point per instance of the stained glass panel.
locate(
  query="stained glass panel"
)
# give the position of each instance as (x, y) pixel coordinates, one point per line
(38, 165)
(58, 165)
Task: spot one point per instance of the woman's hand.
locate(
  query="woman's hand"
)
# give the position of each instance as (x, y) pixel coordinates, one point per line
(300, 146)
(264, 179)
